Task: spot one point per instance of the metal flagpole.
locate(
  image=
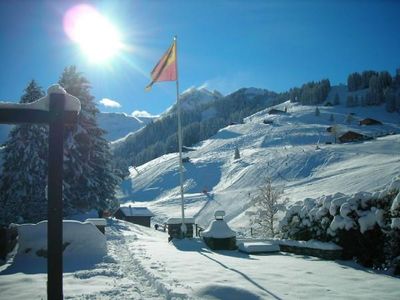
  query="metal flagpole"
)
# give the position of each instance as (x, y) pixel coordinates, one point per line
(183, 226)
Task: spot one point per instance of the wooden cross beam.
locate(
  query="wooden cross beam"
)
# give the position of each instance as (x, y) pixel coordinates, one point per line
(57, 109)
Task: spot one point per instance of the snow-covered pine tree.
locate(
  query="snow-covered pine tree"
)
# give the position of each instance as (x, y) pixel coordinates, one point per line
(89, 179)
(24, 176)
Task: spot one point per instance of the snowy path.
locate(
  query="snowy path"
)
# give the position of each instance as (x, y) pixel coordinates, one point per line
(129, 281)
(117, 276)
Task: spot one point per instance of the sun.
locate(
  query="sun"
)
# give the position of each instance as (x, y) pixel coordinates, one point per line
(97, 37)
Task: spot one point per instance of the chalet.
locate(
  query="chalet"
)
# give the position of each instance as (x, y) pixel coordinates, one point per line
(135, 215)
(276, 112)
(369, 121)
(268, 122)
(351, 136)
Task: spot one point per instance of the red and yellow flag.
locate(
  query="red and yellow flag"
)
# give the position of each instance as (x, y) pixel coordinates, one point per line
(165, 70)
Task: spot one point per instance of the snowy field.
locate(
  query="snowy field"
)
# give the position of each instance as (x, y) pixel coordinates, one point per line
(292, 150)
(141, 264)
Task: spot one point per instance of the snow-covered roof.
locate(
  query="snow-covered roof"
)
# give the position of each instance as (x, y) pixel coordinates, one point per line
(218, 229)
(97, 221)
(130, 211)
(171, 221)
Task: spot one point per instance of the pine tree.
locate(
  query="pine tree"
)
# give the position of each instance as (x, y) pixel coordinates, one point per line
(89, 178)
(317, 112)
(237, 153)
(336, 100)
(24, 176)
(349, 119)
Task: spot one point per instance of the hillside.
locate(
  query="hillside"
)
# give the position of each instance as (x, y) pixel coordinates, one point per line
(203, 114)
(285, 150)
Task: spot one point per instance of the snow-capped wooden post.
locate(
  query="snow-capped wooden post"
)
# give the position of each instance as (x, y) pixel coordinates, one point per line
(56, 109)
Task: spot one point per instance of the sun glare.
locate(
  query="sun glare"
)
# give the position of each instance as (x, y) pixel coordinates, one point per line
(98, 39)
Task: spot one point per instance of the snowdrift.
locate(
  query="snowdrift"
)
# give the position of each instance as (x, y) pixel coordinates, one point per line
(79, 240)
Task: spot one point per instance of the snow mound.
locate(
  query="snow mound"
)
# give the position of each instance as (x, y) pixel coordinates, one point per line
(258, 247)
(218, 229)
(79, 239)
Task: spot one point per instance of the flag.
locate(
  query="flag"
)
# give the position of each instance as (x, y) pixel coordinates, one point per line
(165, 70)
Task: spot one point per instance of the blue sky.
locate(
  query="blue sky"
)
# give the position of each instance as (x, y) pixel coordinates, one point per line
(223, 45)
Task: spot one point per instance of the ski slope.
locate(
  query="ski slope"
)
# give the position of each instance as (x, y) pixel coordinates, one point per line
(292, 150)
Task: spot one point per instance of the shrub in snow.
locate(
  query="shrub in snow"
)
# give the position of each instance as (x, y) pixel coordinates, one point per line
(268, 202)
(366, 225)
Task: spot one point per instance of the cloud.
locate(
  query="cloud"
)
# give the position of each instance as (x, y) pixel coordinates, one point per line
(142, 114)
(229, 83)
(110, 103)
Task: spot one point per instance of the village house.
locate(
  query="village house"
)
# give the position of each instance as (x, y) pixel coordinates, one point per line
(275, 111)
(370, 121)
(351, 136)
(136, 215)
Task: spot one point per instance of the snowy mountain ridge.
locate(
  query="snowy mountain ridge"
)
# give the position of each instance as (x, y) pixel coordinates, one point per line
(118, 125)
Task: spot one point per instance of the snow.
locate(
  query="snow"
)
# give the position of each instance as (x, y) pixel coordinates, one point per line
(142, 264)
(395, 223)
(258, 247)
(174, 221)
(396, 203)
(130, 211)
(339, 222)
(71, 104)
(119, 125)
(286, 151)
(313, 244)
(90, 242)
(218, 229)
(97, 221)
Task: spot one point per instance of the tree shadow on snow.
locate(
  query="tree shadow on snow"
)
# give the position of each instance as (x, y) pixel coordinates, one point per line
(198, 245)
(350, 264)
(245, 276)
(28, 264)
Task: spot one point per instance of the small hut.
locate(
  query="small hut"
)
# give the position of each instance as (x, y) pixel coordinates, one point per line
(275, 111)
(174, 227)
(218, 235)
(351, 136)
(135, 215)
(370, 121)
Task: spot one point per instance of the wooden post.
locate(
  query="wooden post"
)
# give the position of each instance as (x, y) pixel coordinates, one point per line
(55, 201)
(56, 117)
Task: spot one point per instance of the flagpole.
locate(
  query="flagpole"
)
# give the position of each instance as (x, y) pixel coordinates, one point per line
(183, 226)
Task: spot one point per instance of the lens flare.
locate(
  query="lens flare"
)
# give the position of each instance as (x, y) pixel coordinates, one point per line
(98, 39)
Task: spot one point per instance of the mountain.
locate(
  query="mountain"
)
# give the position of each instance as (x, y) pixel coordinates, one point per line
(294, 148)
(203, 114)
(118, 125)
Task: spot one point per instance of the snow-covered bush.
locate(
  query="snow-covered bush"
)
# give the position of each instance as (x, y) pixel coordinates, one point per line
(366, 225)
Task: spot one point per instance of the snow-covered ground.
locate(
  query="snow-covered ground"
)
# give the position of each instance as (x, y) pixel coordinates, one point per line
(286, 150)
(141, 264)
